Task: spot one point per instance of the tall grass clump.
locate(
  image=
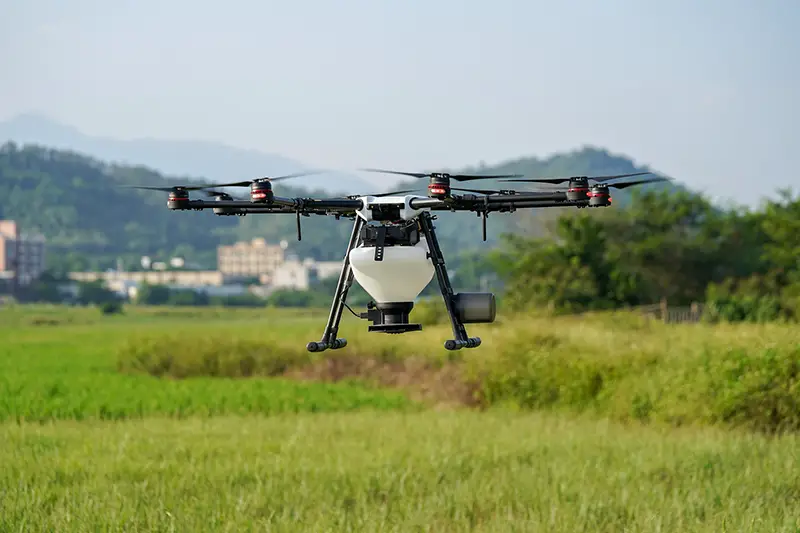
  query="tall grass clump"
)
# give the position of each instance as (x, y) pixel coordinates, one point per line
(179, 357)
(668, 376)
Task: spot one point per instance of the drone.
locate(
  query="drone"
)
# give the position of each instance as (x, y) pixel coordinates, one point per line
(393, 252)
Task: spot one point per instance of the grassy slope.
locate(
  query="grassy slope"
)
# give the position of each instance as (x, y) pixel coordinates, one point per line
(376, 469)
(61, 364)
(77, 364)
(394, 472)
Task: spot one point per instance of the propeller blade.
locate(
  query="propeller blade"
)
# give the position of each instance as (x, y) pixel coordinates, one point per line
(412, 174)
(247, 183)
(222, 194)
(598, 179)
(377, 195)
(479, 191)
(457, 177)
(295, 175)
(233, 184)
(391, 193)
(637, 182)
(601, 179)
(470, 177)
(167, 189)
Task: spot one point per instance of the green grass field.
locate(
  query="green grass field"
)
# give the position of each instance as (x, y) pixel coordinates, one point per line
(211, 419)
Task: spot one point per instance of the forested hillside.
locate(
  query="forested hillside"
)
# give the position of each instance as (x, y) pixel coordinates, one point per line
(81, 206)
(742, 264)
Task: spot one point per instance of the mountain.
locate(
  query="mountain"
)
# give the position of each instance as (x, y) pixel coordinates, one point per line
(213, 161)
(78, 203)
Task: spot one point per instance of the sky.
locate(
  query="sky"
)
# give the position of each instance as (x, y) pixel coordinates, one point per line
(705, 92)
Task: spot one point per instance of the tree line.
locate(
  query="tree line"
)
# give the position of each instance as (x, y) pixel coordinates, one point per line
(679, 246)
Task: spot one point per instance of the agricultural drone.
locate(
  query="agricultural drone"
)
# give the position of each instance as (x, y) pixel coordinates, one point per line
(393, 251)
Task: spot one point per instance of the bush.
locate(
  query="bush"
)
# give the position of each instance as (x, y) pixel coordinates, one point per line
(757, 390)
(756, 299)
(111, 308)
(182, 357)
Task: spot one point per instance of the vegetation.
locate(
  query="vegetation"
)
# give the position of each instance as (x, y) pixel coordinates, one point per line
(60, 364)
(189, 388)
(394, 472)
(90, 220)
(178, 361)
(577, 412)
(678, 246)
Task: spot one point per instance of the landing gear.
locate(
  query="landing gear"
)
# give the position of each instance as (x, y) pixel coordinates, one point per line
(392, 317)
(329, 339)
(461, 340)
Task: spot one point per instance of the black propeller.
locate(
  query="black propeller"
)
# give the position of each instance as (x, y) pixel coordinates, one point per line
(457, 177)
(391, 193)
(598, 179)
(636, 182)
(220, 194)
(247, 183)
(176, 188)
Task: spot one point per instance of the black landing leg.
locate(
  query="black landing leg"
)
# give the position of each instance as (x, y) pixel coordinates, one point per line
(329, 340)
(461, 340)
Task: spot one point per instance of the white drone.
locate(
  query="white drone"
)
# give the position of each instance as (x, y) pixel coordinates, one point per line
(393, 251)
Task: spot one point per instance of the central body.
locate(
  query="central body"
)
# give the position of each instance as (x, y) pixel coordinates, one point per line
(392, 264)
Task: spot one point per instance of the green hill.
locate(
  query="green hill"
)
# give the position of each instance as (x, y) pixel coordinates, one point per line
(78, 203)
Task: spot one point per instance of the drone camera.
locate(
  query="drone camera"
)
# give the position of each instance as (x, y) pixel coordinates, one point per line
(385, 212)
(475, 307)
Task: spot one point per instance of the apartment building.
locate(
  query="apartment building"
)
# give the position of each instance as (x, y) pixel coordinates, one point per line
(250, 259)
(20, 252)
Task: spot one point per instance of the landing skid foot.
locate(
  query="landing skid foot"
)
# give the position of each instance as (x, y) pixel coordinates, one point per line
(455, 344)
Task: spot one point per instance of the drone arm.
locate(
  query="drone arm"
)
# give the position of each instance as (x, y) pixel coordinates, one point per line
(527, 197)
(428, 203)
(327, 204)
(511, 206)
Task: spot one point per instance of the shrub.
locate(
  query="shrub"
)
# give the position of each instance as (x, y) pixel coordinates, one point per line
(753, 389)
(181, 357)
(756, 299)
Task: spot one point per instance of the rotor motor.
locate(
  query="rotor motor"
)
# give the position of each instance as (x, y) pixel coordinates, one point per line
(599, 196)
(178, 199)
(261, 192)
(439, 186)
(578, 190)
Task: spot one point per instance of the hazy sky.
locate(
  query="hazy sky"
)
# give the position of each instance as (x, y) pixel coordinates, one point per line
(703, 90)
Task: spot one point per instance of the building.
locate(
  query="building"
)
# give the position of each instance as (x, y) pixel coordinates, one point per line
(254, 259)
(22, 253)
(185, 278)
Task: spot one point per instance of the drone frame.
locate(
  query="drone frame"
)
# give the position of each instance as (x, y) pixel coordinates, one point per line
(409, 209)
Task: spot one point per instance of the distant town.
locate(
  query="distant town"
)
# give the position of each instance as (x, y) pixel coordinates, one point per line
(253, 267)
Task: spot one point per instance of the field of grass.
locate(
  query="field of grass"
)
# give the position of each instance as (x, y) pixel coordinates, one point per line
(197, 419)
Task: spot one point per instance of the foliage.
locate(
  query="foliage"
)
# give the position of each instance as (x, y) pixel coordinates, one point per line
(383, 471)
(675, 246)
(90, 220)
(168, 360)
(754, 299)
